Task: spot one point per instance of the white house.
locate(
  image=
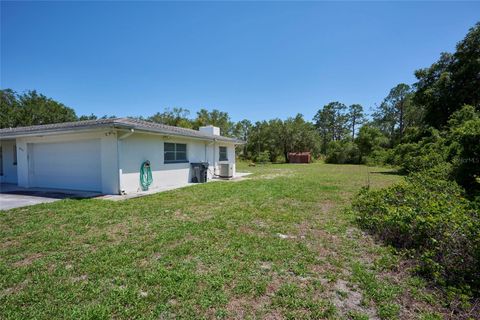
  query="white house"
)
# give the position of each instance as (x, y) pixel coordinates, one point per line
(106, 155)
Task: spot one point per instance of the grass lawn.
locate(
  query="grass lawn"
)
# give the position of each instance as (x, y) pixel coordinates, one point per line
(277, 245)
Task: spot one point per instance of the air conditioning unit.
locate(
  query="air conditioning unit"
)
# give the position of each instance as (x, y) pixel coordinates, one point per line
(226, 170)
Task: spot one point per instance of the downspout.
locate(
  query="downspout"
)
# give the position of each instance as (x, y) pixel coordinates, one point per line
(206, 157)
(126, 135)
(205, 153)
(214, 159)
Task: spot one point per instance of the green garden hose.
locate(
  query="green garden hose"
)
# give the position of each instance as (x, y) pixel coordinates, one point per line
(145, 175)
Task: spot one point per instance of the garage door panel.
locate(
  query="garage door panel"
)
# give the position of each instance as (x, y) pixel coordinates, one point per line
(67, 165)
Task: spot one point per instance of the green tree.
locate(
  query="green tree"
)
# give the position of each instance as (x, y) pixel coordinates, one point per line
(370, 138)
(463, 138)
(89, 117)
(356, 117)
(281, 137)
(298, 135)
(331, 123)
(242, 131)
(264, 137)
(451, 82)
(177, 117)
(392, 112)
(32, 108)
(39, 109)
(9, 109)
(215, 118)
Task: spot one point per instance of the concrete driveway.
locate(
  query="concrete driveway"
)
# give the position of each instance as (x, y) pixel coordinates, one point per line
(12, 196)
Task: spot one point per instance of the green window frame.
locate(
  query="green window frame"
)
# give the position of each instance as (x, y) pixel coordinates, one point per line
(174, 152)
(222, 154)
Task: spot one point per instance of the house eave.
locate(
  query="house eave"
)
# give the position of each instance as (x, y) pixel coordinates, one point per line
(115, 126)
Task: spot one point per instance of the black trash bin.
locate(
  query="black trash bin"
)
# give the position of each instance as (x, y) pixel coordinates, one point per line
(199, 172)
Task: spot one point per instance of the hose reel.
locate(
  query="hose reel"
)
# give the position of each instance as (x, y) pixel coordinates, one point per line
(146, 178)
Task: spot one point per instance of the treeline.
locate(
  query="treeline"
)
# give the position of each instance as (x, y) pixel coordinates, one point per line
(341, 134)
(272, 140)
(32, 108)
(266, 140)
(432, 133)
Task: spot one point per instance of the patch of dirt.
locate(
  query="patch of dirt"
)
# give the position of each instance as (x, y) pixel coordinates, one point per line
(236, 307)
(350, 300)
(51, 267)
(8, 244)
(28, 260)
(201, 268)
(117, 232)
(260, 223)
(273, 315)
(194, 217)
(247, 230)
(265, 265)
(81, 278)
(273, 175)
(245, 307)
(410, 306)
(274, 285)
(290, 203)
(326, 206)
(143, 263)
(15, 289)
(185, 239)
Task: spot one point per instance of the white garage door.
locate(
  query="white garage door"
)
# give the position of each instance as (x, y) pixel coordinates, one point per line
(67, 165)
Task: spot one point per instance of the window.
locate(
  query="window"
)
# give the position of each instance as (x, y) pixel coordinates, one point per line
(223, 154)
(14, 154)
(175, 152)
(1, 161)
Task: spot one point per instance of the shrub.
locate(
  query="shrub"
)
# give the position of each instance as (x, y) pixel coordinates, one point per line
(432, 150)
(263, 157)
(457, 146)
(429, 216)
(342, 152)
(380, 156)
(466, 138)
(370, 139)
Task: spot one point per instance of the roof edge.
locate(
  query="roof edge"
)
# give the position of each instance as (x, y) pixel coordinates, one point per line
(120, 123)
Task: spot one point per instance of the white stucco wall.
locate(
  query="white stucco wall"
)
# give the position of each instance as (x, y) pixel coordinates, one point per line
(9, 166)
(108, 156)
(139, 147)
(213, 155)
(119, 170)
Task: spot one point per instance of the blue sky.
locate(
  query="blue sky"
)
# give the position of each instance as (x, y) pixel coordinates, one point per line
(255, 60)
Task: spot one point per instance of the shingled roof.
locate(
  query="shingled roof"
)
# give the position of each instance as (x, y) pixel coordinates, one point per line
(119, 123)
